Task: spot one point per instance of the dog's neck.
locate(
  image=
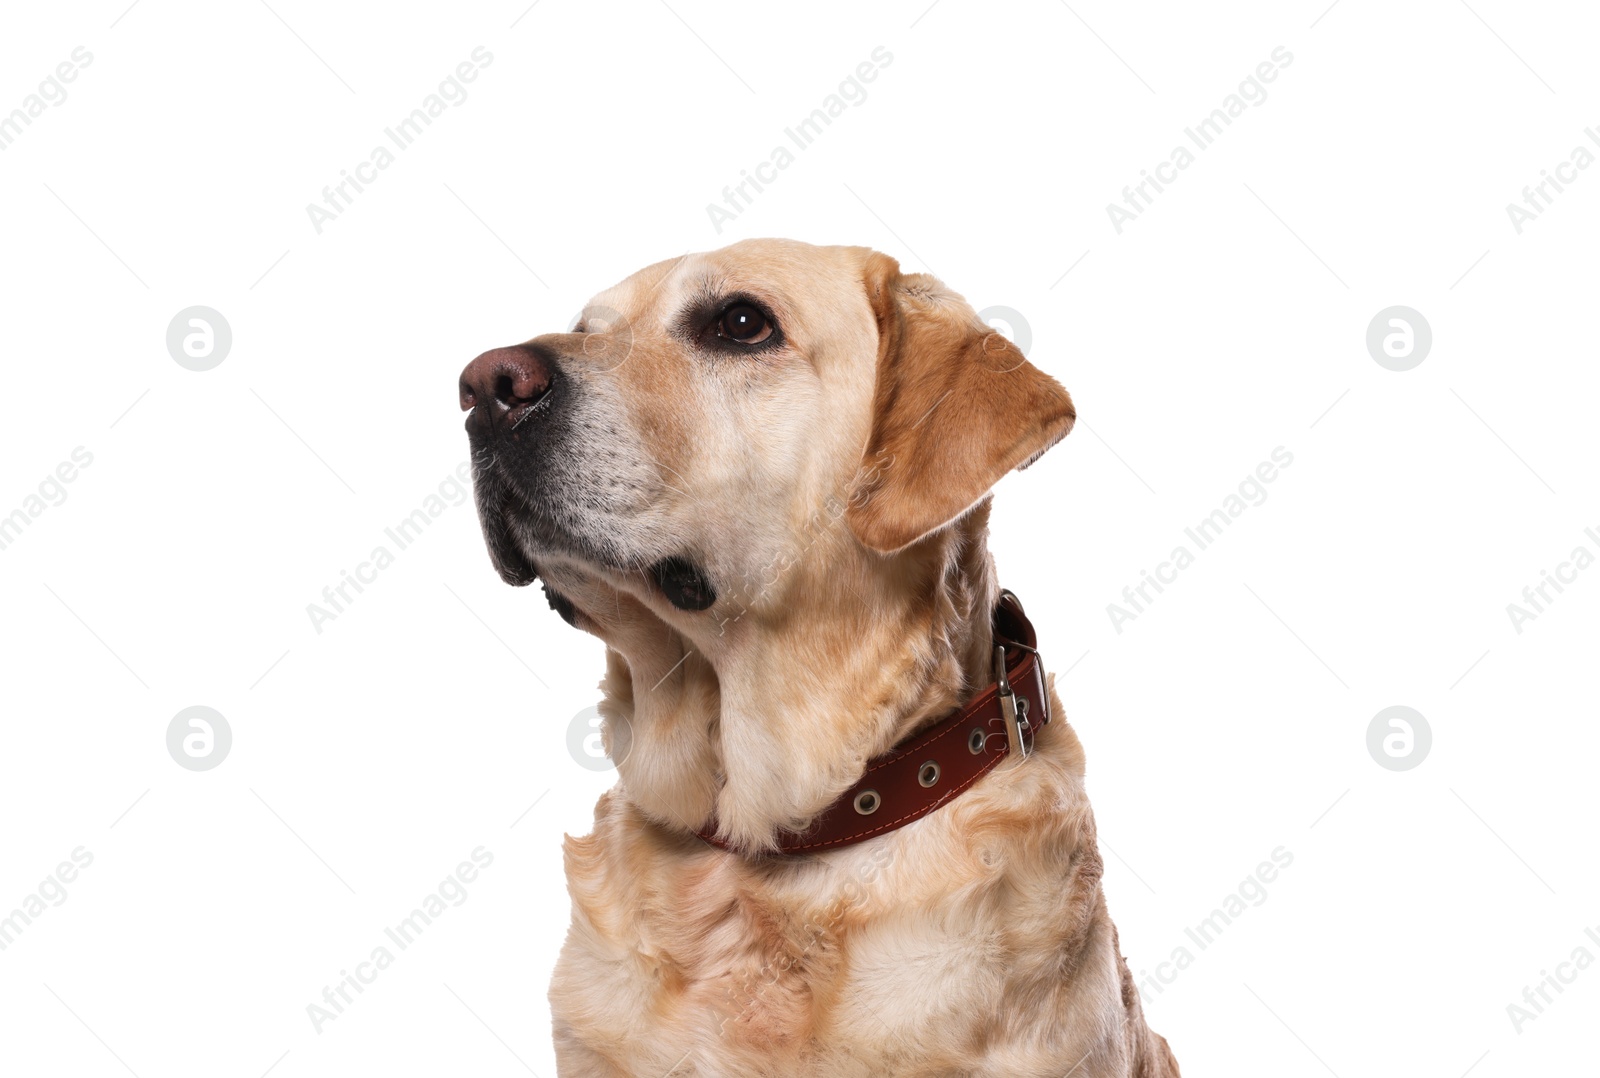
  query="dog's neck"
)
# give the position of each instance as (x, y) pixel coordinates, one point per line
(765, 721)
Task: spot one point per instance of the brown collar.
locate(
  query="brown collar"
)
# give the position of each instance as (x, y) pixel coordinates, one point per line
(924, 772)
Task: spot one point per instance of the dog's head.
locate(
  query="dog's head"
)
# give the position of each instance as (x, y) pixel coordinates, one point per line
(726, 442)
(705, 413)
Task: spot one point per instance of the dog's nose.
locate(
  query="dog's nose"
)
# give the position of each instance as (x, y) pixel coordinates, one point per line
(503, 383)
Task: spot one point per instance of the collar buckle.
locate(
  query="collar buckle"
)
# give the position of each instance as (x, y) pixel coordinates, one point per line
(1013, 708)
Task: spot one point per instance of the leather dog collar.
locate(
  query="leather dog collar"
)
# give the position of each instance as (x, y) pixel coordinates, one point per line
(926, 771)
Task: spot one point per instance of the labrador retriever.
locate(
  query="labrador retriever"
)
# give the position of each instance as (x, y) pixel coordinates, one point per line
(762, 477)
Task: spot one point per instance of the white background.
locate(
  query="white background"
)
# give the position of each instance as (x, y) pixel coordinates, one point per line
(1229, 319)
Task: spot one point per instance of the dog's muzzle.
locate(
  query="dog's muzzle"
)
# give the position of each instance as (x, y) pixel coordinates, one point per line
(507, 392)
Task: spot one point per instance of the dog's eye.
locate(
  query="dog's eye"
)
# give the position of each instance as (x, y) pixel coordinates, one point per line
(743, 322)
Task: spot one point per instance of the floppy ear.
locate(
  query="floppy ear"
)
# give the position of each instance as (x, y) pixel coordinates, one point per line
(956, 407)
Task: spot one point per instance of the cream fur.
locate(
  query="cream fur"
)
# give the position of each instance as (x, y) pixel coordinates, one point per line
(974, 942)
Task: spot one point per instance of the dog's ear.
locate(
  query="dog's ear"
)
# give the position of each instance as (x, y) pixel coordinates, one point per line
(956, 407)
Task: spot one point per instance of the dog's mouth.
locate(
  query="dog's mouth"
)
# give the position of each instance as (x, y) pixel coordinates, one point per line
(683, 583)
(495, 500)
(561, 605)
(520, 524)
(678, 579)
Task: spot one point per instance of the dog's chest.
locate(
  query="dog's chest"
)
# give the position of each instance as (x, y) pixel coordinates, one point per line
(800, 976)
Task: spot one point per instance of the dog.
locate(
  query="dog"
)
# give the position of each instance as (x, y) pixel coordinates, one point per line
(762, 476)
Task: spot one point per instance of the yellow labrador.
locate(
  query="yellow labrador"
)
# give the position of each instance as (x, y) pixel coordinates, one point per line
(761, 476)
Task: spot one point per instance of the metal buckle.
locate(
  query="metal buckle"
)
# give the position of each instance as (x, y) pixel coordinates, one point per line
(1038, 667)
(1015, 720)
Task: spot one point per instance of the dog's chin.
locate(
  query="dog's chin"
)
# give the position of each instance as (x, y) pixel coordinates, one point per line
(505, 553)
(519, 538)
(561, 605)
(516, 537)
